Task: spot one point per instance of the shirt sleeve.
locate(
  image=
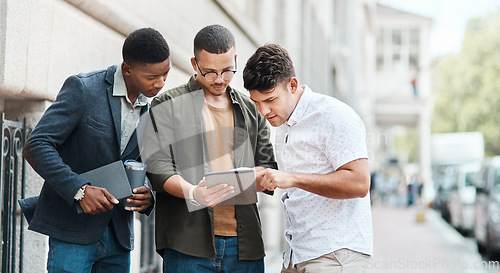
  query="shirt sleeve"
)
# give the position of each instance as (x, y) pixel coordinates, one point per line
(157, 144)
(343, 138)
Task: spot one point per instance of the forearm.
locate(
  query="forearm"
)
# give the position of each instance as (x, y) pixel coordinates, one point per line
(342, 184)
(177, 186)
(351, 180)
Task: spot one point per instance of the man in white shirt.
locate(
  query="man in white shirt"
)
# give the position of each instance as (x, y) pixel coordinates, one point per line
(323, 165)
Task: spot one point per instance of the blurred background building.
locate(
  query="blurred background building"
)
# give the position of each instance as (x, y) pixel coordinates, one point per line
(402, 89)
(373, 57)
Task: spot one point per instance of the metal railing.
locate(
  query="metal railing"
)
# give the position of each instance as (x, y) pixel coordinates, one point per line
(12, 169)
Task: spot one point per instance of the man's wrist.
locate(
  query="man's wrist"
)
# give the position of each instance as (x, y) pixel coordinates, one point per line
(296, 180)
(191, 197)
(80, 194)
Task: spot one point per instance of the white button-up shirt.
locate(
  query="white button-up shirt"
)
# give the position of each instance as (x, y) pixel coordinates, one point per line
(321, 135)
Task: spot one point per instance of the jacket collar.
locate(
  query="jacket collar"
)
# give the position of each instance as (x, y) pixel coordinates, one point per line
(110, 74)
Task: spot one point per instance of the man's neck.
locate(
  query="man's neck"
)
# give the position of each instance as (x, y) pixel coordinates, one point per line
(222, 101)
(298, 94)
(132, 95)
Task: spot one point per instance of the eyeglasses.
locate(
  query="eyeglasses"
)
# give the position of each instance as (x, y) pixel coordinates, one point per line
(212, 76)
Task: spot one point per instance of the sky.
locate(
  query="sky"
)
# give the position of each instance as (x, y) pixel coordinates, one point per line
(450, 18)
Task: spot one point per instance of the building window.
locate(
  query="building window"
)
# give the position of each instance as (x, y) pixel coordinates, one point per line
(396, 37)
(414, 37)
(380, 49)
(380, 61)
(398, 49)
(397, 63)
(414, 49)
(413, 61)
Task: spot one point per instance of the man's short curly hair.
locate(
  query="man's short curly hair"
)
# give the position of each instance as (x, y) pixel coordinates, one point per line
(214, 39)
(145, 46)
(267, 67)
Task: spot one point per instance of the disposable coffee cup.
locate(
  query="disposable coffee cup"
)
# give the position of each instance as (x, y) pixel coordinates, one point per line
(136, 173)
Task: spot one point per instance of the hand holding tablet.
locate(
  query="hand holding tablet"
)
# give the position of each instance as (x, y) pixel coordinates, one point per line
(243, 181)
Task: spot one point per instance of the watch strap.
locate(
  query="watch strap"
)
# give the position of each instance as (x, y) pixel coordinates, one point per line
(80, 194)
(192, 200)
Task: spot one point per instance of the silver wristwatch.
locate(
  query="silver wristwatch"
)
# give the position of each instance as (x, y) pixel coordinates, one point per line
(80, 193)
(192, 200)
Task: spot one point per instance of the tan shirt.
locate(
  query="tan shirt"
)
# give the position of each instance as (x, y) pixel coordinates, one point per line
(219, 123)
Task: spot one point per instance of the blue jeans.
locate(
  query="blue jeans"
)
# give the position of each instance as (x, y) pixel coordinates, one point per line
(103, 256)
(225, 260)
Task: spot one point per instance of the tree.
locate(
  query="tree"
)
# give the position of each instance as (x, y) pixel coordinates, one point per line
(467, 84)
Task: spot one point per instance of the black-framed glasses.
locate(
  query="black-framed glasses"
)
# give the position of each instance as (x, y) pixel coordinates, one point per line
(212, 76)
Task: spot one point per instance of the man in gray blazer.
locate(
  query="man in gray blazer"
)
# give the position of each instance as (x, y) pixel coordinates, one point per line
(92, 123)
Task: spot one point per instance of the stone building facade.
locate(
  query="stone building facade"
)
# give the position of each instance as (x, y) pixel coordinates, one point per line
(42, 42)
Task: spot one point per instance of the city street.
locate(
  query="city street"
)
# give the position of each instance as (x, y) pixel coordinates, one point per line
(403, 244)
(430, 245)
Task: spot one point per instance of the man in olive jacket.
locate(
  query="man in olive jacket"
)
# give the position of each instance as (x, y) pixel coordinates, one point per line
(200, 127)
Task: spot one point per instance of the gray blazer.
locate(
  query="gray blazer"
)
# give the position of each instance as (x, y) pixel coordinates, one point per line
(79, 132)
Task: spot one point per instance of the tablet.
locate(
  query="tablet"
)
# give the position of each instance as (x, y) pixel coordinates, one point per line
(243, 181)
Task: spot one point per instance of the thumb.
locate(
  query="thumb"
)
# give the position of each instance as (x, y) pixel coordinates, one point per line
(110, 197)
(259, 174)
(202, 183)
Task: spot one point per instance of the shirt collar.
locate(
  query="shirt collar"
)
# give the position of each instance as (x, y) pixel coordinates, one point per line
(120, 89)
(300, 108)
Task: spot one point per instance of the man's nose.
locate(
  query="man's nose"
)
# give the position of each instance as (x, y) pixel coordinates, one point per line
(219, 78)
(160, 82)
(264, 110)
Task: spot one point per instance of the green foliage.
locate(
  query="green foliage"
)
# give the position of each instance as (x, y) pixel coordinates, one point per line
(408, 143)
(467, 85)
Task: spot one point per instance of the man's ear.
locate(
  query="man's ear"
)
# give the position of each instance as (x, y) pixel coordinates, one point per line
(294, 84)
(126, 69)
(193, 63)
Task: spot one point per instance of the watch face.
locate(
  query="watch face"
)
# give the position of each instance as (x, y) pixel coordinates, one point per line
(79, 195)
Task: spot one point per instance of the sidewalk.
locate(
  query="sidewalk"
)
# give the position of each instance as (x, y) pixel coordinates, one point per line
(401, 244)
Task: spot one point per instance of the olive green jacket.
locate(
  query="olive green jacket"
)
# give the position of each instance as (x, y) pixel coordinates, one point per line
(175, 143)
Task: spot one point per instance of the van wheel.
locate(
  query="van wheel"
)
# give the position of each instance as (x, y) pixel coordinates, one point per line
(492, 252)
(480, 247)
(469, 233)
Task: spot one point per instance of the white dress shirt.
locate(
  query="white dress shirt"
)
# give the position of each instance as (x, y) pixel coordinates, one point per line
(321, 135)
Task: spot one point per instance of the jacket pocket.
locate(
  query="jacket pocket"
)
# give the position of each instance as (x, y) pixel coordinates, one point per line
(99, 126)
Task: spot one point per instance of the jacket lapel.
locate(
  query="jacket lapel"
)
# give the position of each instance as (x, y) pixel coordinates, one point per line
(114, 104)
